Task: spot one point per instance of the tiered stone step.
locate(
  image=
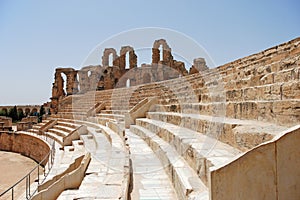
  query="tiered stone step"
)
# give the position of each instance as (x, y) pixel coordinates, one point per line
(150, 181)
(242, 134)
(200, 151)
(104, 118)
(184, 179)
(283, 112)
(105, 177)
(115, 112)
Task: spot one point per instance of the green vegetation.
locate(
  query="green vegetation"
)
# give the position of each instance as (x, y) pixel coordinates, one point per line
(18, 114)
(41, 113)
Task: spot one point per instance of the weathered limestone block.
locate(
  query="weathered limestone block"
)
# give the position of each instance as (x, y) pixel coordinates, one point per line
(291, 90)
(286, 75)
(288, 173)
(243, 177)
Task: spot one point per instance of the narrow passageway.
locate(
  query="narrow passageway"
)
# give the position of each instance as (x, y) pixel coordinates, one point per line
(149, 178)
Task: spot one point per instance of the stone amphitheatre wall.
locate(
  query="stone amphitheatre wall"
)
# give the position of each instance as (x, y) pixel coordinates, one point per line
(27, 109)
(265, 86)
(24, 144)
(115, 74)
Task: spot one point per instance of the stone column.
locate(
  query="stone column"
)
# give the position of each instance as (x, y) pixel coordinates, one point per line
(155, 55)
(83, 81)
(122, 62)
(70, 83)
(60, 84)
(57, 92)
(132, 59)
(76, 83)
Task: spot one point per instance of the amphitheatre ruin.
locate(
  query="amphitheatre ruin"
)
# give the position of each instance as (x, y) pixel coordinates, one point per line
(159, 131)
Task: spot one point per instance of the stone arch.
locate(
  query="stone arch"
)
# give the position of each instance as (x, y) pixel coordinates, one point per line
(156, 52)
(100, 85)
(64, 78)
(34, 110)
(27, 111)
(78, 81)
(106, 53)
(20, 110)
(127, 50)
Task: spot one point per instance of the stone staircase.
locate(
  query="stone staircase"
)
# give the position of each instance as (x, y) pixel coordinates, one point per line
(202, 123)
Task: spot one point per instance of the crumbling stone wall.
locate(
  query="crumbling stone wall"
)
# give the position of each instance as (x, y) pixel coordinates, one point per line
(115, 74)
(5, 123)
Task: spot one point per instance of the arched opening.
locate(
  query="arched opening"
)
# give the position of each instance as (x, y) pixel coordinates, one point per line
(128, 83)
(34, 111)
(64, 77)
(161, 52)
(89, 73)
(78, 81)
(127, 60)
(27, 111)
(116, 81)
(100, 83)
(110, 60)
(20, 113)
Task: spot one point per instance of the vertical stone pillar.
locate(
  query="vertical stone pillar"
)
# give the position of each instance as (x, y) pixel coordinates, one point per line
(93, 80)
(57, 92)
(75, 84)
(60, 84)
(83, 81)
(132, 59)
(70, 83)
(122, 62)
(105, 58)
(155, 55)
(167, 55)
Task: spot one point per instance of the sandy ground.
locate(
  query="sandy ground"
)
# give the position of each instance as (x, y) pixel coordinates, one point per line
(13, 167)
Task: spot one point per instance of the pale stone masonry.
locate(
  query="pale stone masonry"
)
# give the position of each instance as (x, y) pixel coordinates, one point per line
(211, 122)
(231, 132)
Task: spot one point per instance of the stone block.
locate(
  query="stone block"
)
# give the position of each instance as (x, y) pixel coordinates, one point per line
(288, 162)
(251, 176)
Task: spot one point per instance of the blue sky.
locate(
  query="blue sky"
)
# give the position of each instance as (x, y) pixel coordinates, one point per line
(38, 36)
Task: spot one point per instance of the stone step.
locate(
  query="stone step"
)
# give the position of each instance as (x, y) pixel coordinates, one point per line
(59, 139)
(107, 174)
(111, 116)
(58, 132)
(68, 124)
(117, 112)
(200, 151)
(64, 128)
(242, 134)
(185, 181)
(282, 112)
(150, 180)
(103, 121)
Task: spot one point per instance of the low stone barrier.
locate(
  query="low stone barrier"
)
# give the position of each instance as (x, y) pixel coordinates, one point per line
(269, 171)
(139, 110)
(71, 178)
(27, 145)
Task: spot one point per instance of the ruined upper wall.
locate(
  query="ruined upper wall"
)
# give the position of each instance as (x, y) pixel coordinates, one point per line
(113, 73)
